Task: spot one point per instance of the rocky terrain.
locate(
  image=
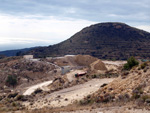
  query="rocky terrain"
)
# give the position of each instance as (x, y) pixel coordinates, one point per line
(73, 83)
(25, 72)
(24, 79)
(129, 93)
(104, 40)
(132, 86)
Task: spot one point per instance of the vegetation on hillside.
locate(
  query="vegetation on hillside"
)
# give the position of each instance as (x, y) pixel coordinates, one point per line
(11, 80)
(131, 62)
(132, 89)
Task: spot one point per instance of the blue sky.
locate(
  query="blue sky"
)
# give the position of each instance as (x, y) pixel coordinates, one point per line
(29, 23)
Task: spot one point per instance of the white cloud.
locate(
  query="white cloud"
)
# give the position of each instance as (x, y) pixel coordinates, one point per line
(144, 27)
(39, 30)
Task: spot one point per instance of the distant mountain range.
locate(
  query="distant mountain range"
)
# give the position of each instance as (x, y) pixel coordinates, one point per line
(110, 40)
(16, 52)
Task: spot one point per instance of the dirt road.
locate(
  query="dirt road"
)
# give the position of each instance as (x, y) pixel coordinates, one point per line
(117, 63)
(42, 86)
(67, 96)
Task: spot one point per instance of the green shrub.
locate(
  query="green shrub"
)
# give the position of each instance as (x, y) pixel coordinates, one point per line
(126, 66)
(11, 80)
(131, 62)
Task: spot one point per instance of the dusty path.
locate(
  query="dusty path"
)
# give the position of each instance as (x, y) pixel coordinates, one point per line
(42, 86)
(67, 96)
(117, 63)
(116, 109)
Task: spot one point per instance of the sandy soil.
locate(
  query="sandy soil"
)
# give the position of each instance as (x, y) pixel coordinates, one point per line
(67, 96)
(113, 65)
(117, 63)
(111, 110)
(42, 86)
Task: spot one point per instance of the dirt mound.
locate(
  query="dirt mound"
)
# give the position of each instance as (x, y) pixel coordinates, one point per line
(98, 65)
(84, 60)
(67, 60)
(77, 60)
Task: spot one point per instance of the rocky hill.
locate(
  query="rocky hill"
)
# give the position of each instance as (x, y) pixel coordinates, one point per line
(26, 72)
(104, 40)
(130, 86)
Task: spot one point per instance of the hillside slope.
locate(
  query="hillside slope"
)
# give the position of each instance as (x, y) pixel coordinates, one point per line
(104, 40)
(130, 86)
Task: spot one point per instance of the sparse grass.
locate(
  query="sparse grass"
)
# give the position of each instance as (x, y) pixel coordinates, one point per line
(107, 75)
(145, 97)
(143, 65)
(86, 101)
(137, 92)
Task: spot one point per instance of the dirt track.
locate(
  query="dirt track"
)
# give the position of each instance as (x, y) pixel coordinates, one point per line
(42, 86)
(117, 63)
(67, 96)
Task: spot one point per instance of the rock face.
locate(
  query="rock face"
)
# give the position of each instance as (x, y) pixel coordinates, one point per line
(104, 41)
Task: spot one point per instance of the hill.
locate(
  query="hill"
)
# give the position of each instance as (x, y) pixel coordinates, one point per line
(104, 40)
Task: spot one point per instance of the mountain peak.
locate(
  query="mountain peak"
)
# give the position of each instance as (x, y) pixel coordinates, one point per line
(111, 40)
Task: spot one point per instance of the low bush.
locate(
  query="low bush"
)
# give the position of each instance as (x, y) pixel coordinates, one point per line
(38, 91)
(131, 62)
(137, 92)
(11, 80)
(143, 65)
(21, 98)
(86, 101)
(12, 95)
(145, 97)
